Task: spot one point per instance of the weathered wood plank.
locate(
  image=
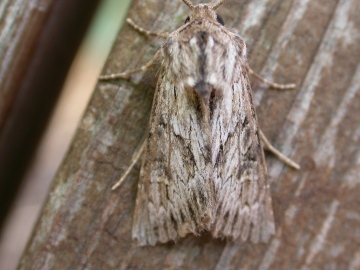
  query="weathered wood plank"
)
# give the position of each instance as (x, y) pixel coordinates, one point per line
(312, 43)
(38, 42)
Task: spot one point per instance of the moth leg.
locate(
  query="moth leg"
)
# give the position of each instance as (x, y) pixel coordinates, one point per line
(271, 84)
(277, 153)
(145, 32)
(126, 74)
(134, 160)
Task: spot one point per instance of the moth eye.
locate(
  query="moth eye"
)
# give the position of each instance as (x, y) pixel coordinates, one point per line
(219, 19)
(187, 19)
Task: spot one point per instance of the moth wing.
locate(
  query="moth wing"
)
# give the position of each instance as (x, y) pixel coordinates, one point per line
(175, 193)
(243, 201)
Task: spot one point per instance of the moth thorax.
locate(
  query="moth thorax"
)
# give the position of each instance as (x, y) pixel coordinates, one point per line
(203, 11)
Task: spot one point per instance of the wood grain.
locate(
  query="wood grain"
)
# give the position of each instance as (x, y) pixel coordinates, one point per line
(38, 42)
(315, 44)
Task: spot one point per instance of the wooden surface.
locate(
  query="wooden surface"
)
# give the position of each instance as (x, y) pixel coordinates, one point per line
(316, 44)
(38, 42)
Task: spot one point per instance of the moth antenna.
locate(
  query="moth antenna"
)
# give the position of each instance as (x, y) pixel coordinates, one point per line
(189, 4)
(218, 4)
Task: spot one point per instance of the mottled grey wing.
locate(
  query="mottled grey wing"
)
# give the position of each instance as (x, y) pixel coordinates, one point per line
(175, 193)
(243, 202)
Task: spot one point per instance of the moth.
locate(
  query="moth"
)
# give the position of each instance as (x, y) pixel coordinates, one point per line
(203, 165)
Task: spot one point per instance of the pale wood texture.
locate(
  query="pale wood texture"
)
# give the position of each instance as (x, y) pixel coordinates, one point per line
(316, 44)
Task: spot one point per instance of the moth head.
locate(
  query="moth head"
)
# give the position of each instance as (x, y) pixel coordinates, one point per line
(204, 11)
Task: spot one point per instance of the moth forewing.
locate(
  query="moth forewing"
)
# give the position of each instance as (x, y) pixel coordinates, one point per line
(203, 166)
